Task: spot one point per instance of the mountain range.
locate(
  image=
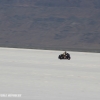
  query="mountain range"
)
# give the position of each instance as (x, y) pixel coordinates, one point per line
(50, 24)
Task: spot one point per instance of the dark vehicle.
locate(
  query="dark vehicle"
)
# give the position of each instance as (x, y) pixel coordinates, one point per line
(62, 56)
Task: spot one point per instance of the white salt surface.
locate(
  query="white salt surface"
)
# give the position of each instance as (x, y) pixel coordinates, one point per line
(29, 74)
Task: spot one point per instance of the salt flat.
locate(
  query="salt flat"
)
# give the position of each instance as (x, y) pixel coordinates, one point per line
(31, 74)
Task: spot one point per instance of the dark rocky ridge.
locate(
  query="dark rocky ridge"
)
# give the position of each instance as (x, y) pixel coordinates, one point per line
(45, 24)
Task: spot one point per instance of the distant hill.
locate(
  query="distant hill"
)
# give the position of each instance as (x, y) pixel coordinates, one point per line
(50, 24)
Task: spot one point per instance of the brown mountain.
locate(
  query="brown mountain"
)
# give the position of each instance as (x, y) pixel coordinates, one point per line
(50, 24)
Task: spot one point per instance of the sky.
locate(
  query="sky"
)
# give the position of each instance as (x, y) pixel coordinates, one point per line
(32, 74)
